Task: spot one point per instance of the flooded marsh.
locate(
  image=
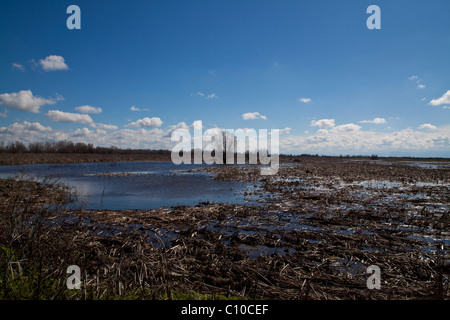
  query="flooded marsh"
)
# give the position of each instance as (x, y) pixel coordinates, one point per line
(310, 232)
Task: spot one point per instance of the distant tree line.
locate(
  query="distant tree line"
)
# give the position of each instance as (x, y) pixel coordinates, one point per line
(83, 148)
(69, 147)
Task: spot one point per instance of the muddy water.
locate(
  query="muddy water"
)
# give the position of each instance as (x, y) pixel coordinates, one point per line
(136, 185)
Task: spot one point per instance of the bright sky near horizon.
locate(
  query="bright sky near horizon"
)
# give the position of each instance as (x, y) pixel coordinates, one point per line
(136, 70)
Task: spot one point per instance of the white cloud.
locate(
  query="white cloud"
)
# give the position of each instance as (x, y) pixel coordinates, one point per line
(53, 63)
(206, 96)
(28, 132)
(89, 109)
(102, 126)
(18, 66)
(427, 126)
(357, 141)
(375, 121)
(101, 132)
(212, 96)
(334, 140)
(133, 108)
(327, 123)
(24, 100)
(253, 115)
(147, 122)
(84, 132)
(181, 125)
(61, 116)
(140, 138)
(17, 128)
(4, 114)
(418, 81)
(305, 100)
(445, 99)
(347, 127)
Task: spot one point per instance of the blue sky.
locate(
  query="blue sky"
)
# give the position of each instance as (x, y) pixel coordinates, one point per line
(310, 68)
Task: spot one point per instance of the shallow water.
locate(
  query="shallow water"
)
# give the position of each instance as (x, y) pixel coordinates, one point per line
(135, 185)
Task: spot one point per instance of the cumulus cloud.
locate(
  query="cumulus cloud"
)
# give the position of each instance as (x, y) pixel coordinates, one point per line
(24, 101)
(421, 86)
(102, 126)
(347, 127)
(171, 129)
(305, 100)
(84, 133)
(53, 63)
(348, 139)
(375, 121)
(89, 109)
(138, 138)
(427, 126)
(334, 140)
(327, 123)
(285, 130)
(253, 115)
(30, 132)
(445, 99)
(17, 128)
(146, 122)
(61, 116)
(101, 132)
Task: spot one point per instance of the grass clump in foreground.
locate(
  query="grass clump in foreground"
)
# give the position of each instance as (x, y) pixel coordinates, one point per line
(32, 248)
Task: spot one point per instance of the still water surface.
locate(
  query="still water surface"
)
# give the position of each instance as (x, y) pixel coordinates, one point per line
(135, 185)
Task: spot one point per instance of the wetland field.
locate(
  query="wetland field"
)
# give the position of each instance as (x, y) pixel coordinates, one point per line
(153, 230)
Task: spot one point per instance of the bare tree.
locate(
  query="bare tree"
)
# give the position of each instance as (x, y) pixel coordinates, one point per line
(221, 146)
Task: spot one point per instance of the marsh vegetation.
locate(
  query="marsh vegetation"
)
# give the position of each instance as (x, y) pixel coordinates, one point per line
(311, 234)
